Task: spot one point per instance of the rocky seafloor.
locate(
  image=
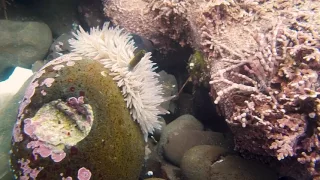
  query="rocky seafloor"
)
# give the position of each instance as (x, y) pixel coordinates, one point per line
(195, 141)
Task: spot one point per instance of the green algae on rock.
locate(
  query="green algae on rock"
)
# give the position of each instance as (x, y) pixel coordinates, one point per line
(77, 99)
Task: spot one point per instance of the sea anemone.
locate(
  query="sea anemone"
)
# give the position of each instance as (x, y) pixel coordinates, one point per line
(139, 84)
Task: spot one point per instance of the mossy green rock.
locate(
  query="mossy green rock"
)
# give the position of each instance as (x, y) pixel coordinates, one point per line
(113, 149)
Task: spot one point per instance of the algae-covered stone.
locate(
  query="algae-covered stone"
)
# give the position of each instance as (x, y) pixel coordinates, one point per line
(77, 99)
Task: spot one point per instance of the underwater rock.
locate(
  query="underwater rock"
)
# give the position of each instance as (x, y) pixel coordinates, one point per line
(60, 46)
(196, 162)
(185, 103)
(73, 123)
(138, 20)
(142, 43)
(61, 16)
(184, 122)
(170, 171)
(170, 88)
(182, 140)
(22, 43)
(8, 113)
(4, 98)
(212, 162)
(90, 14)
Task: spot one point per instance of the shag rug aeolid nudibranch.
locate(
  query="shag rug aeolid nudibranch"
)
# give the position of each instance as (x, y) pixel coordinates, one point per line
(139, 85)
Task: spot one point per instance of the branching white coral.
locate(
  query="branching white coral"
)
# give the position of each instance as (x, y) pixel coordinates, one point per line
(140, 86)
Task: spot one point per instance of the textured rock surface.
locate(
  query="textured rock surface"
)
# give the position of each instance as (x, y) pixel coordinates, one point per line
(183, 122)
(196, 162)
(22, 43)
(61, 16)
(60, 46)
(120, 13)
(181, 141)
(211, 162)
(4, 98)
(90, 13)
(113, 149)
(170, 171)
(8, 113)
(170, 88)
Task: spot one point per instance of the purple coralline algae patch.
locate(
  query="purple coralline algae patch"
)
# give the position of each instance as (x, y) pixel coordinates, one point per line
(56, 125)
(43, 92)
(27, 171)
(44, 151)
(17, 136)
(48, 82)
(84, 174)
(58, 67)
(70, 63)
